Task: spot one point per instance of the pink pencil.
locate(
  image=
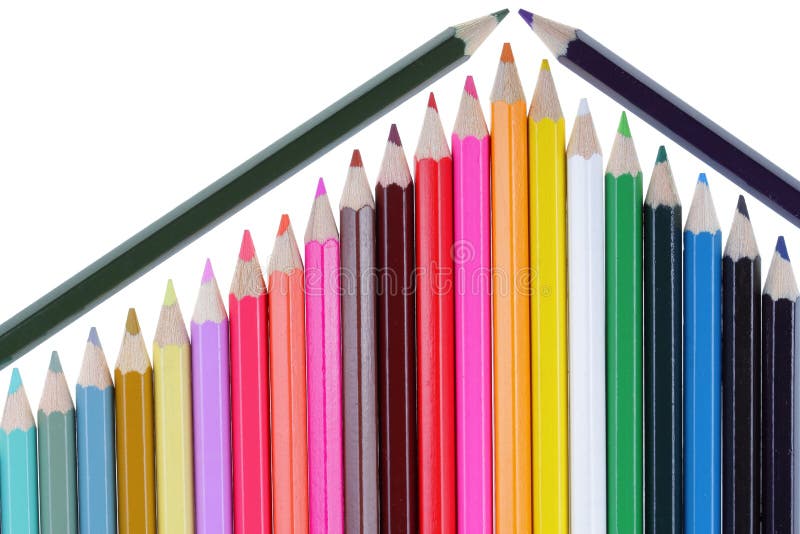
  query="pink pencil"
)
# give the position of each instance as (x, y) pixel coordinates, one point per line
(324, 370)
(472, 261)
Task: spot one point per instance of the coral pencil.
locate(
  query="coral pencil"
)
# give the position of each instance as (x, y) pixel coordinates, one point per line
(287, 375)
(58, 498)
(511, 300)
(548, 249)
(133, 399)
(587, 334)
(433, 182)
(324, 369)
(211, 414)
(247, 305)
(473, 315)
(359, 352)
(397, 363)
(94, 409)
(702, 260)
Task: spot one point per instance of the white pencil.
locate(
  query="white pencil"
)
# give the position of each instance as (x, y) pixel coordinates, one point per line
(587, 363)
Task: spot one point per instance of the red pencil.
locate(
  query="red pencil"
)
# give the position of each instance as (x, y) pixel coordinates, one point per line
(433, 171)
(250, 394)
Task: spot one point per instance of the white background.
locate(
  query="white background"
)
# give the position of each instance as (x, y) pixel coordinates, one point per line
(111, 115)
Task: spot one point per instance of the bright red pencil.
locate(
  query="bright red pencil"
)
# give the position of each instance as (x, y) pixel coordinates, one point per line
(433, 177)
(250, 394)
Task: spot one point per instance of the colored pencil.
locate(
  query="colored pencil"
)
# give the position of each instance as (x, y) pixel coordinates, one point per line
(94, 409)
(587, 317)
(324, 369)
(624, 334)
(172, 399)
(359, 352)
(58, 483)
(288, 384)
(670, 115)
(433, 183)
(741, 377)
(211, 414)
(702, 243)
(473, 315)
(397, 361)
(663, 352)
(243, 184)
(779, 352)
(548, 257)
(19, 496)
(247, 306)
(133, 399)
(511, 300)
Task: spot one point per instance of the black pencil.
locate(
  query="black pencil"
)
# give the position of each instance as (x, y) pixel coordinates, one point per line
(741, 377)
(670, 115)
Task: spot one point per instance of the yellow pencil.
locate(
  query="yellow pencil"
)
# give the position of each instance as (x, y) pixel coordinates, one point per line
(548, 231)
(173, 406)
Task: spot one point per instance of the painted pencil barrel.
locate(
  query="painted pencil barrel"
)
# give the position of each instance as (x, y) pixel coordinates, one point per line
(18, 484)
(97, 481)
(57, 472)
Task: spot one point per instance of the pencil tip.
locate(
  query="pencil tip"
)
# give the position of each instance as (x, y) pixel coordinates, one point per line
(741, 207)
(780, 248)
(469, 87)
(583, 107)
(394, 135)
(507, 56)
(545, 65)
(169, 296)
(432, 102)
(661, 157)
(624, 129)
(94, 339)
(248, 249)
(320, 189)
(702, 178)
(132, 323)
(208, 272)
(355, 161)
(527, 16)
(55, 363)
(500, 15)
(16, 381)
(283, 225)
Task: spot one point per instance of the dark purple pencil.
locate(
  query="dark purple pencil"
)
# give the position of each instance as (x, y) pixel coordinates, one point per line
(212, 412)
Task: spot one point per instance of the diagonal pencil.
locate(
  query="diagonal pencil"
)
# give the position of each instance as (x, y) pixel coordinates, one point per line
(670, 115)
(243, 184)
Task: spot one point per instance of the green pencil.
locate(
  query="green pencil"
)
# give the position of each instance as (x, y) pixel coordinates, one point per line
(243, 184)
(624, 334)
(58, 503)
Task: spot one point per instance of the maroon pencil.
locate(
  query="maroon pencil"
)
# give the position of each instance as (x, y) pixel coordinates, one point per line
(397, 369)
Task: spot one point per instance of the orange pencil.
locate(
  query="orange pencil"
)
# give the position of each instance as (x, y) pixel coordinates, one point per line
(510, 300)
(287, 375)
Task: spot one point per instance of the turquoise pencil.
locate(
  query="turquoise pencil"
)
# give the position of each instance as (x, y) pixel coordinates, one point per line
(97, 482)
(19, 492)
(702, 299)
(55, 419)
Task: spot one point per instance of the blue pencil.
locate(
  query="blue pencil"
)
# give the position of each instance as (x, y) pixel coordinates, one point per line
(18, 483)
(702, 372)
(97, 483)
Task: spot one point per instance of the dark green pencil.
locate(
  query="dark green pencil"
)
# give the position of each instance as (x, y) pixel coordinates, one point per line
(233, 191)
(663, 353)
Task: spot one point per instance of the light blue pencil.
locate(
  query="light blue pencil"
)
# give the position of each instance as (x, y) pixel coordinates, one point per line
(19, 488)
(97, 483)
(702, 371)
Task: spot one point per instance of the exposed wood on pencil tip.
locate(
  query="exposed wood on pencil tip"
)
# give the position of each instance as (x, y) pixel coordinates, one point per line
(355, 161)
(285, 253)
(781, 283)
(94, 369)
(623, 159)
(55, 393)
(702, 214)
(741, 239)
(357, 192)
(507, 85)
(171, 330)
(209, 306)
(321, 222)
(133, 353)
(247, 277)
(470, 120)
(394, 167)
(545, 103)
(247, 250)
(17, 413)
(475, 31)
(527, 16)
(662, 190)
(432, 140)
(583, 140)
(132, 323)
(554, 35)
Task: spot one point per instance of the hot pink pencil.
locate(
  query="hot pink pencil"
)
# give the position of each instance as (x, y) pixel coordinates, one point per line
(472, 261)
(324, 370)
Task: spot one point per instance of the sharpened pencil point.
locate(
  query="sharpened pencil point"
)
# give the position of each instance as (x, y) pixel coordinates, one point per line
(394, 135)
(583, 108)
(248, 249)
(320, 189)
(469, 87)
(132, 323)
(661, 157)
(500, 15)
(545, 65)
(623, 129)
(16, 381)
(355, 161)
(780, 248)
(94, 339)
(741, 207)
(432, 102)
(702, 178)
(208, 272)
(55, 363)
(507, 56)
(283, 225)
(169, 296)
(527, 16)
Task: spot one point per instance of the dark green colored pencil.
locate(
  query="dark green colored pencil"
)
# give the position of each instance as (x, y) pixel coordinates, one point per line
(663, 353)
(233, 191)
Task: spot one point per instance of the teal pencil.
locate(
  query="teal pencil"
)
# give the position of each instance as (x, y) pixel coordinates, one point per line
(97, 482)
(58, 500)
(19, 492)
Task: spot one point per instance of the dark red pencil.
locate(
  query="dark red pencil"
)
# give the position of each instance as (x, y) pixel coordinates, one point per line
(433, 180)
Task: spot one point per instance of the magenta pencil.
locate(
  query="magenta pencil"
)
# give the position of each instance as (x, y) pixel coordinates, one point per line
(212, 410)
(324, 370)
(473, 319)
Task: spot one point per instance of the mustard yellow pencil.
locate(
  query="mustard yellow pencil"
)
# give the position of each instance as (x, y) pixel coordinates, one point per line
(172, 393)
(548, 242)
